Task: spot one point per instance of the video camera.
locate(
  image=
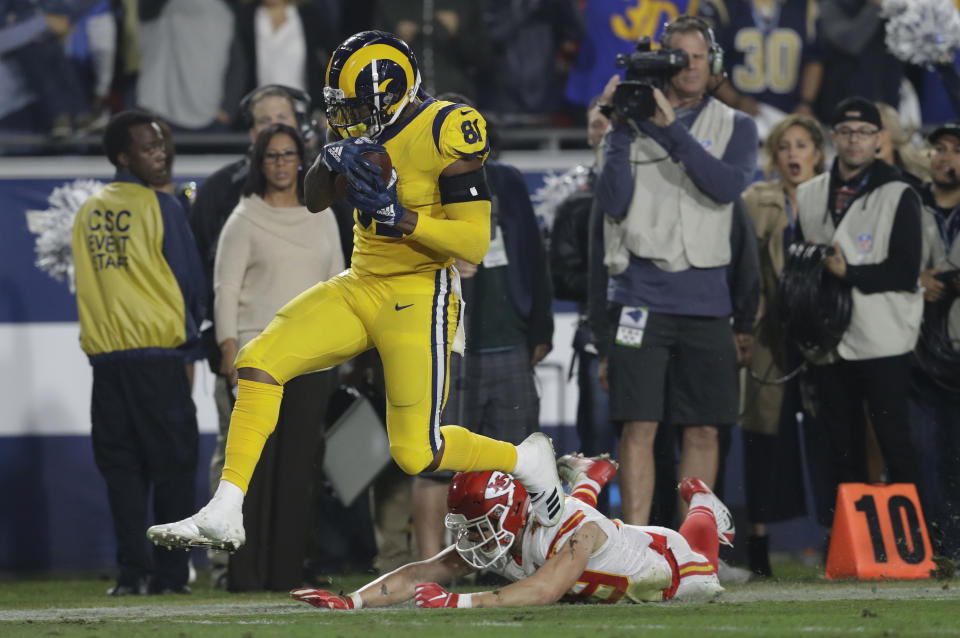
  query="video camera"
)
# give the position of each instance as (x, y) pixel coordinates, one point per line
(646, 70)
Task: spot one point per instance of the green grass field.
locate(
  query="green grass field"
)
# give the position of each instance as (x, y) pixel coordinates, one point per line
(799, 603)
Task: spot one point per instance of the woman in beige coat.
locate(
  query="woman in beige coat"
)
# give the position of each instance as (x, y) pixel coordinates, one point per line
(773, 469)
(270, 250)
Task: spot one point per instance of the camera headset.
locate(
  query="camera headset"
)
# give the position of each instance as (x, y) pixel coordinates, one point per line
(300, 100)
(714, 50)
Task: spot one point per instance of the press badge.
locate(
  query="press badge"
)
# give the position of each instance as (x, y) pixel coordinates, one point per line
(497, 253)
(633, 321)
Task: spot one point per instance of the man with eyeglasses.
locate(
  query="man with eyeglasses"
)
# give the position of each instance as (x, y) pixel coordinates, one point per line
(871, 217)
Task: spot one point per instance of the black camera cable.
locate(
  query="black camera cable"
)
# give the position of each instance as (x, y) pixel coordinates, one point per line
(815, 306)
(936, 352)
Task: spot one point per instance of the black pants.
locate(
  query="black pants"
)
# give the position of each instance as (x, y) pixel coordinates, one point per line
(881, 386)
(278, 508)
(773, 465)
(145, 435)
(594, 428)
(935, 414)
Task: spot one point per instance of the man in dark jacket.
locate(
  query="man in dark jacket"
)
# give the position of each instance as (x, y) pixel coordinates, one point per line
(140, 299)
(569, 265)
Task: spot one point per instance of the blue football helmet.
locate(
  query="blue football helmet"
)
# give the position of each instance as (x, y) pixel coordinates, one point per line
(371, 78)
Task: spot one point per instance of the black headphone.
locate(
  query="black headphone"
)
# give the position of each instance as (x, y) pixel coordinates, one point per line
(302, 107)
(714, 50)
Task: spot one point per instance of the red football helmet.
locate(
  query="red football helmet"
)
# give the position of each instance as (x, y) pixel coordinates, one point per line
(487, 510)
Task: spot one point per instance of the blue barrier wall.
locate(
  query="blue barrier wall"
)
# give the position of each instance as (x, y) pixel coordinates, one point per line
(55, 514)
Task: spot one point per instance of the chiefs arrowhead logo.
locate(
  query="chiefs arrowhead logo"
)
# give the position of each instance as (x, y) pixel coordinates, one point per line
(499, 485)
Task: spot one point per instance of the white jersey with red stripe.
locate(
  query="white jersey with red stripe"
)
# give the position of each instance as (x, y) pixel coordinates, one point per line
(634, 564)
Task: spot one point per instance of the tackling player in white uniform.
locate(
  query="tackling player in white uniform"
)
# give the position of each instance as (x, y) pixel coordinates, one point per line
(586, 557)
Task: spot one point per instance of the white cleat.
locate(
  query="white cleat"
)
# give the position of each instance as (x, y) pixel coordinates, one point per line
(217, 525)
(537, 470)
(576, 468)
(691, 487)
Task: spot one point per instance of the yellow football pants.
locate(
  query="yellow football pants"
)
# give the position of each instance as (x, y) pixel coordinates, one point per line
(411, 320)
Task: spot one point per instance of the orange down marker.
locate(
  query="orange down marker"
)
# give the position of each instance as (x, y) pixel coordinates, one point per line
(879, 532)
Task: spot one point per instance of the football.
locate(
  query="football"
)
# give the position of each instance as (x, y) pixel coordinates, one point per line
(380, 159)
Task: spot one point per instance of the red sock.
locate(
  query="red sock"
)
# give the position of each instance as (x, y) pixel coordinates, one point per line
(587, 491)
(700, 530)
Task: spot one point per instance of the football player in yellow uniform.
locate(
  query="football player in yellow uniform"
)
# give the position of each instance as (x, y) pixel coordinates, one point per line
(401, 294)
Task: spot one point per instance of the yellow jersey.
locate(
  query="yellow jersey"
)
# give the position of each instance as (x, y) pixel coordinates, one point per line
(139, 276)
(420, 148)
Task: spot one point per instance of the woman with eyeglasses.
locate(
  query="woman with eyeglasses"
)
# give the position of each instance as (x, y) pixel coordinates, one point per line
(272, 249)
(772, 461)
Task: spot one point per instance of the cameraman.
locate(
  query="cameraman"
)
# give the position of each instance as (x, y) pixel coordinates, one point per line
(667, 188)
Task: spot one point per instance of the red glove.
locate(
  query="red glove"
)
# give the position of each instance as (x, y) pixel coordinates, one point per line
(433, 596)
(322, 599)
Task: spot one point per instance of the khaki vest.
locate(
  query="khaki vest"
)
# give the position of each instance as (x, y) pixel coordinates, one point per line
(882, 324)
(935, 256)
(670, 220)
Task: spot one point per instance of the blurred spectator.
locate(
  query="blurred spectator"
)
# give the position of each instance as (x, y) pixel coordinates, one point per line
(92, 47)
(354, 15)
(185, 53)
(569, 267)
(773, 470)
(219, 194)
(534, 41)
(185, 192)
(856, 60)
(450, 43)
(935, 409)
(940, 91)
(140, 300)
(670, 302)
(895, 147)
(871, 217)
(279, 42)
(613, 27)
(272, 249)
(216, 198)
(772, 55)
(36, 69)
(509, 330)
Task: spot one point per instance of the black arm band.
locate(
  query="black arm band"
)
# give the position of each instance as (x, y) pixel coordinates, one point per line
(465, 187)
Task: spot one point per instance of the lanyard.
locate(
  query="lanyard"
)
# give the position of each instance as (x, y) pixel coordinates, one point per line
(789, 206)
(949, 227)
(790, 231)
(838, 216)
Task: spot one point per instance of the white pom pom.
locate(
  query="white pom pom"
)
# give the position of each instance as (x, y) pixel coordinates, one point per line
(554, 190)
(54, 228)
(922, 31)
